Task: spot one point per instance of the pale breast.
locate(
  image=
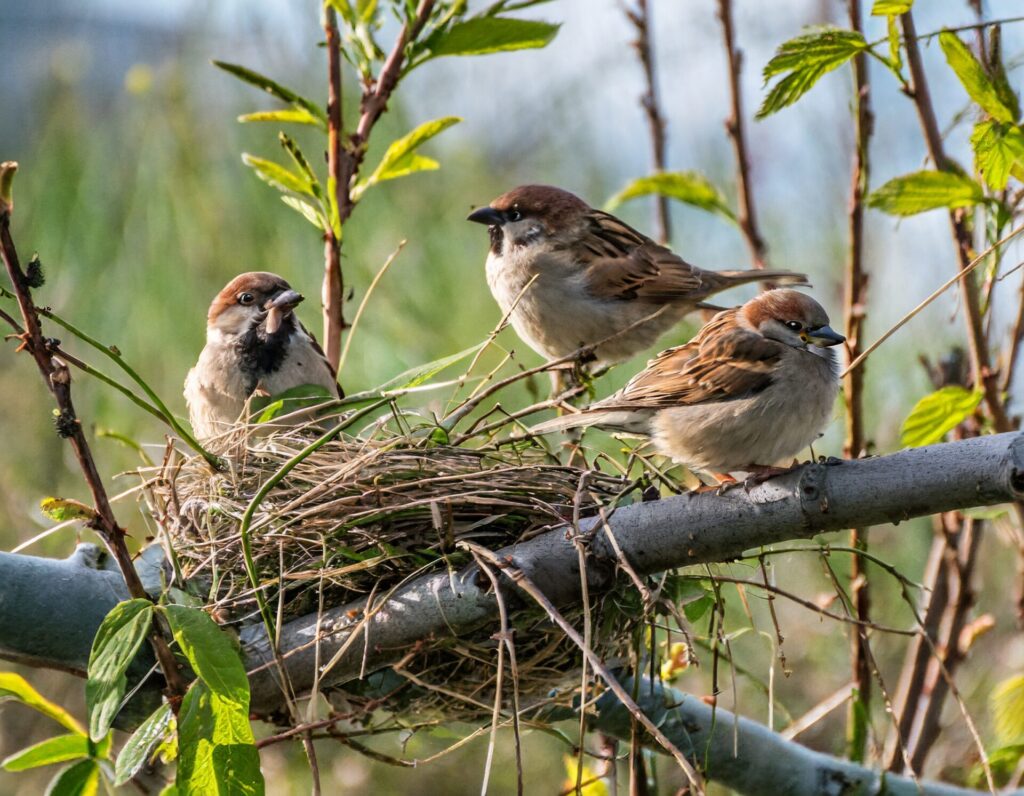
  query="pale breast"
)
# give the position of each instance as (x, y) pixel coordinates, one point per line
(768, 428)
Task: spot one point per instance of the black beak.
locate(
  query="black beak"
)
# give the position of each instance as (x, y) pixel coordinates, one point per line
(825, 336)
(488, 216)
(285, 301)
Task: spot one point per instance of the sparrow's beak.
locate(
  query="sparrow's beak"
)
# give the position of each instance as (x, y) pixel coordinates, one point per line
(279, 307)
(824, 336)
(488, 216)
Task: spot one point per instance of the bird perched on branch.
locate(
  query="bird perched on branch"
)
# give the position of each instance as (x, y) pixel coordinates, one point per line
(573, 276)
(755, 386)
(254, 344)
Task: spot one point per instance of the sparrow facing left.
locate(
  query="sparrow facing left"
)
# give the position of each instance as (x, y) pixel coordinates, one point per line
(253, 342)
(594, 276)
(755, 386)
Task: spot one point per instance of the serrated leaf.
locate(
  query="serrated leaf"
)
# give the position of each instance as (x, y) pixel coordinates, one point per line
(217, 752)
(14, 686)
(973, 78)
(59, 749)
(936, 414)
(804, 60)
(287, 116)
(1007, 701)
(64, 509)
(401, 159)
(926, 190)
(140, 746)
(888, 8)
(113, 649)
(210, 652)
(307, 210)
(482, 35)
(273, 88)
(688, 187)
(996, 70)
(81, 779)
(997, 149)
(275, 174)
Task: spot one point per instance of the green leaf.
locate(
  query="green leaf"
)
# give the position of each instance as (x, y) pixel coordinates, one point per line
(804, 60)
(217, 752)
(274, 88)
(14, 686)
(1007, 702)
(996, 70)
(300, 160)
(482, 35)
(938, 413)
(997, 149)
(287, 116)
(414, 377)
(888, 8)
(401, 159)
(299, 397)
(688, 187)
(277, 175)
(63, 509)
(307, 210)
(973, 78)
(140, 746)
(926, 190)
(81, 779)
(53, 750)
(895, 46)
(113, 649)
(210, 653)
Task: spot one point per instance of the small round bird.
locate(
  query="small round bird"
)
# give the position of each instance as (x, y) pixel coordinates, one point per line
(755, 386)
(254, 343)
(572, 276)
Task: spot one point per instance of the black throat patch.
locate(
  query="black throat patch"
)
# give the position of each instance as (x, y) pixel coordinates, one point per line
(497, 236)
(259, 353)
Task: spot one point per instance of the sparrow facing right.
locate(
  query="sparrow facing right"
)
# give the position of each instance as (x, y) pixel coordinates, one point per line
(253, 342)
(755, 386)
(594, 276)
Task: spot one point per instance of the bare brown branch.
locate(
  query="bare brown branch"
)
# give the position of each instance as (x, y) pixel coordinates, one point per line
(641, 19)
(58, 380)
(734, 125)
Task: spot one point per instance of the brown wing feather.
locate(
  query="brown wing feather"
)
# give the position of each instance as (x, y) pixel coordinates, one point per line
(624, 264)
(720, 363)
(316, 347)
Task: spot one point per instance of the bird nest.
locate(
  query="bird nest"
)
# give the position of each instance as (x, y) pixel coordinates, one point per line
(359, 516)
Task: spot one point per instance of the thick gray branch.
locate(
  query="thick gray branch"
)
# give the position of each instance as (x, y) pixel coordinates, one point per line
(655, 536)
(764, 764)
(50, 610)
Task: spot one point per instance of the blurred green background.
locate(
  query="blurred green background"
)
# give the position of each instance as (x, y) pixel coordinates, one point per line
(132, 191)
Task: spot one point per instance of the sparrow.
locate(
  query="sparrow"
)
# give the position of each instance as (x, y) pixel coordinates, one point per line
(755, 386)
(572, 276)
(254, 343)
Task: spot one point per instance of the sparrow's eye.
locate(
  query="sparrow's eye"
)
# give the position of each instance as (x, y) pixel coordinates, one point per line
(796, 326)
(246, 298)
(513, 215)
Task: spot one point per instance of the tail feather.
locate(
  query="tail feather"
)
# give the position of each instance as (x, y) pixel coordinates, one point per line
(742, 277)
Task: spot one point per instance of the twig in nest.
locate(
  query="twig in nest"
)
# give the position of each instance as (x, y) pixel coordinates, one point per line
(520, 579)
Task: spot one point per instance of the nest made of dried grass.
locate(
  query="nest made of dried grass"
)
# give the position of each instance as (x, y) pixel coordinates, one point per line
(360, 515)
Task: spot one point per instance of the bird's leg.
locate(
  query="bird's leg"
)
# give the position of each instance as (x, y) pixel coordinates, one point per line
(724, 482)
(759, 473)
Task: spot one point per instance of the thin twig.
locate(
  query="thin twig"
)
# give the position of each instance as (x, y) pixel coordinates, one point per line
(339, 177)
(58, 379)
(520, 579)
(734, 125)
(641, 19)
(854, 303)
